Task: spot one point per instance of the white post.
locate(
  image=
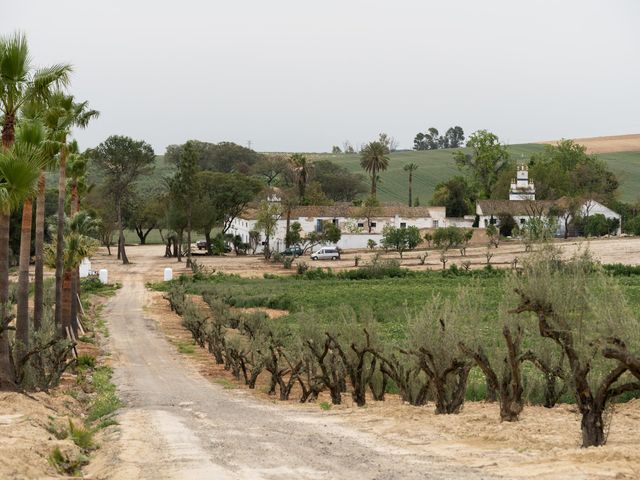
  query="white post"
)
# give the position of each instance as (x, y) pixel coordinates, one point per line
(168, 274)
(103, 275)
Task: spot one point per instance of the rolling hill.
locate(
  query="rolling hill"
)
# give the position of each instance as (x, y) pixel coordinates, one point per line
(435, 166)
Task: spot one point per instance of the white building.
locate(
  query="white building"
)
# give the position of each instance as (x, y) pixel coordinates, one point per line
(350, 220)
(523, 206)
(521, 187)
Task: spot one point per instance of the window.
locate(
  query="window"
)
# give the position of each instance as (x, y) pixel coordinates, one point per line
(435, 224)
(360, 225)
(522, 221)
(373, 224)
(335, 221)
(318, 225)
(403, 224)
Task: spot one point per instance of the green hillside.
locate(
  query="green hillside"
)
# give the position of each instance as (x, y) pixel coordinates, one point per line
(435, 166)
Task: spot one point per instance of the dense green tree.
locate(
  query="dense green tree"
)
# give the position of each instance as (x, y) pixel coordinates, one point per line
(453, 138)
(225, 157)
(400, 239)
(566, 169)
(270, 168)
(338, 183)
(183, 189)
(267, 222)
(430, 140)
(221, 197)
(374, 159)
(485, 162)
(122, 160)
(456, 195)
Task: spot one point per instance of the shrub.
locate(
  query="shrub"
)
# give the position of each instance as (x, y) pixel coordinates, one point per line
(82, 437)
(302, 268)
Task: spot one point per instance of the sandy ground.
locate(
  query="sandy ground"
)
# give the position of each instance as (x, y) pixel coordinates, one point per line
(185, 419)
(25, 442)
(148, 261)
(615, 143)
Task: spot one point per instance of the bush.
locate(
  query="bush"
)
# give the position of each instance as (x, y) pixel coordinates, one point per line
(302, 268)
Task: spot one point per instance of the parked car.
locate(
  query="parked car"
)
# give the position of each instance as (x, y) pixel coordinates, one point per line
(201, 244)
(326, 253)
(295, 251)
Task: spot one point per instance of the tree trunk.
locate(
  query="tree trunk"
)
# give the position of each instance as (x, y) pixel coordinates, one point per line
(179, 246)
(410, 187)
(373, 184)
(38, 293)
(75, 290)
(207, 239)
(8, 130)
(22, 318)
(60, 233)
(121, 250)
(592, 427)
(7, 375)
(66, 299)
(287, 242)
(189, 235)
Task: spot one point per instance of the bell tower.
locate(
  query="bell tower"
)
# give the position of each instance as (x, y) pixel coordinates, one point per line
(521, 187)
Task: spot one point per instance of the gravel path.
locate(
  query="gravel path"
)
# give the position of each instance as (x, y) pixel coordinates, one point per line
(176, 424)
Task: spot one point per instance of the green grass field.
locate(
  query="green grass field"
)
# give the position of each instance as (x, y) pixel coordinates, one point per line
(389, 301)
(435, 166)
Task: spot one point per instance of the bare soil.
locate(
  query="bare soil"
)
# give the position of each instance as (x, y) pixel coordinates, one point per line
(614, 143)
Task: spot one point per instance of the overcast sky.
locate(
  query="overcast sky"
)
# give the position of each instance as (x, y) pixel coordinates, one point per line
(295, 75)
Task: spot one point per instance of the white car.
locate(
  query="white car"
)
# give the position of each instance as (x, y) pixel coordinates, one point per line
(326, 253)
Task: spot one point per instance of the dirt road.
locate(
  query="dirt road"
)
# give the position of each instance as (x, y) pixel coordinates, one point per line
(176, 424)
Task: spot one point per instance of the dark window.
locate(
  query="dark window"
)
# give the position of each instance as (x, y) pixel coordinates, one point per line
(318, 225)
(403, 225)
(360, 225)
(373, 224)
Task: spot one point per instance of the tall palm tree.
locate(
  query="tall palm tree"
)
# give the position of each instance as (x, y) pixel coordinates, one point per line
(28, 148)
(65, 113)
(302, 168)
(19, 168)
(374, 159)
(78, 232)
(20, 82)
(411, 167)
(77, 171)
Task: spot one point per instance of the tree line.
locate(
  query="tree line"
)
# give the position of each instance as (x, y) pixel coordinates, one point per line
(38, 118)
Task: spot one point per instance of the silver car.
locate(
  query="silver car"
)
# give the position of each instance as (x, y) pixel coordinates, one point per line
(326, 253)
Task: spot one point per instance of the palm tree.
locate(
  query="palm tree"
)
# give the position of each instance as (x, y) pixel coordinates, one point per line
(19, 168)
(77, 172)
(21, 83)
(78, 232)
(374, 159)
(411, 167)
(65, 113)
(301, 167)
(28, 148)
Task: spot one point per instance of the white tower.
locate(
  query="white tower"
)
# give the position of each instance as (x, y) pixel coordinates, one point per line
(521, 187)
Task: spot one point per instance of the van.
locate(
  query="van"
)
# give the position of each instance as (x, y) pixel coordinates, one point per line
(326, 253)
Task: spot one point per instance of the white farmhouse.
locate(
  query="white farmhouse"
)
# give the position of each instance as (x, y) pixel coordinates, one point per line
(523, 206)
(354, 227)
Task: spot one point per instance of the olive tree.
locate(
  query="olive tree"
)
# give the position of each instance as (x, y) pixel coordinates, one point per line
(579, 308)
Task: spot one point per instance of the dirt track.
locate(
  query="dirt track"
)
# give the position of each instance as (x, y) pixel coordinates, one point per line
(178, 425)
